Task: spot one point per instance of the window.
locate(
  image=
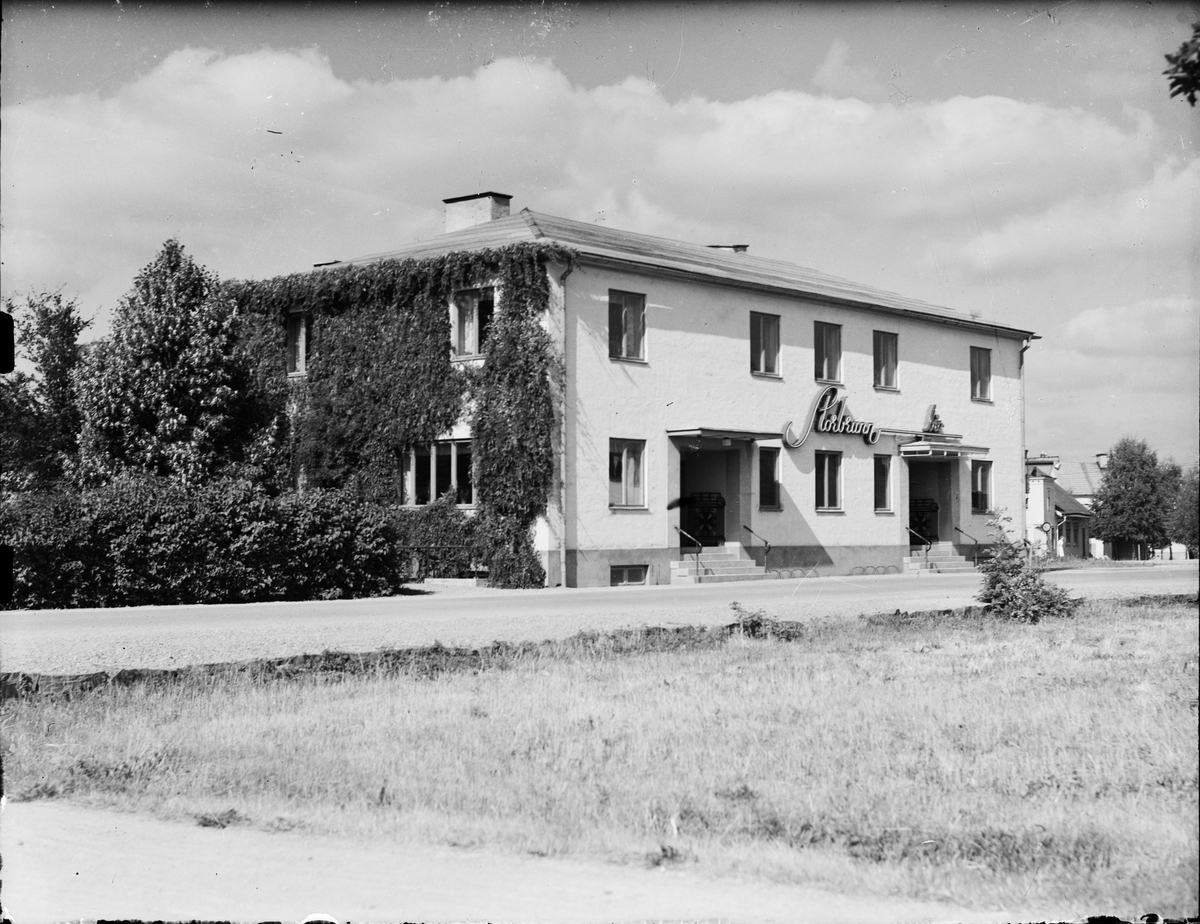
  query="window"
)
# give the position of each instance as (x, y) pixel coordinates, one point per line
(473, 310)
(886, 350)
(827, 350)
(768, 478)
(883, 483)
(981, 487)
(299, 333)
(624, 575)
(764, 343)
(625, 473)
(436, 469)
(829, 465)
(981, 374)
(626, 325)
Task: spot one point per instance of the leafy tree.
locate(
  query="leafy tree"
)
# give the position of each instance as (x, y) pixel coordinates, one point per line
(169, 393)
(1184, 72)
(38, 412)
(1135, 496)
(1183, 525)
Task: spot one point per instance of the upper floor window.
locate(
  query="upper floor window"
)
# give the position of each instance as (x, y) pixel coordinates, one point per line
(626, 325)
(886, 349)
(441, 468)
(299, 333)
(473, 310)
(828, 474)
(625, 473)
(764, 343)
(981, 487)
(827, 351)
(981, 374)
(768, 477)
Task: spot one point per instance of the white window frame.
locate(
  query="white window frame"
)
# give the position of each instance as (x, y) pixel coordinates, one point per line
(764, 343)
(771, 468)
(981, 485)
(981, 374)
(886, 481)
(886, 375)
(827, 346)
(826, 484)
(627, 462)
(626, 326)
(299, 335)
(415, 472)
(468, 334)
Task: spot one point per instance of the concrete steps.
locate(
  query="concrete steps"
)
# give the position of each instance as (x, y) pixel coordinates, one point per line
(717, 565)
(941, 559)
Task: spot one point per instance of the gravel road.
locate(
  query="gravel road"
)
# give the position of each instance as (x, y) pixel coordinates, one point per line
(83, 641)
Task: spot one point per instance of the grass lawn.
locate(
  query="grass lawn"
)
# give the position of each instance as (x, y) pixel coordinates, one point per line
(988, 762)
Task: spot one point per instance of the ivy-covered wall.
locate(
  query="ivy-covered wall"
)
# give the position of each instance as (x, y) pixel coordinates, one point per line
(381, 380)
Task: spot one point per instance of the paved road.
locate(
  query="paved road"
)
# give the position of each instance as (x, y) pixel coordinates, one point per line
(78, 641)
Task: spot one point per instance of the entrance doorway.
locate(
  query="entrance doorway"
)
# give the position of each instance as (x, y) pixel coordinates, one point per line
(714, 483)
(931, 500)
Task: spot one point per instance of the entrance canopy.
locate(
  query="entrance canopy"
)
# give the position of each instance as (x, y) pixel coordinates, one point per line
(714, 433)
(939, 447)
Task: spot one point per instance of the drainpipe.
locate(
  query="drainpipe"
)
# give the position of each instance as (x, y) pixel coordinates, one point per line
(1025, 345)
(562, 439)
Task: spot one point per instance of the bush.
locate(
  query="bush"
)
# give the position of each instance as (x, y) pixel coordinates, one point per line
(148, 541)
(1013, 586)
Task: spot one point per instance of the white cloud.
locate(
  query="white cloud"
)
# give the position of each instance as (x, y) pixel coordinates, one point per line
(267, 162)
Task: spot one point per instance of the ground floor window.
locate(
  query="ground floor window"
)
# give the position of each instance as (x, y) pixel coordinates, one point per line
(828, 474)
(981, 487)
(440, 468)
(623, 575)
(883, 483)
(768, 478)
(625, 483)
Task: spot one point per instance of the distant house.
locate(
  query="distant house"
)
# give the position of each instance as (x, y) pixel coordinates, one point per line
(1057, 521)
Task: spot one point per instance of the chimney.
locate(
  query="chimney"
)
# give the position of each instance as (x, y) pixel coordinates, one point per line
(736, 248)
(1102, 460)
(465, 211)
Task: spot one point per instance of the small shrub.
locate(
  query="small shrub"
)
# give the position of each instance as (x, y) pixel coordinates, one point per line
(1013, 586)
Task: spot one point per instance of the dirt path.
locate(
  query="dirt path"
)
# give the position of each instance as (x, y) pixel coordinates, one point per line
(66, 862)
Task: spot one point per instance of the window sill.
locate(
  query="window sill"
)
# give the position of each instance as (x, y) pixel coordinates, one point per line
(777, 376)
(981, 513)
(885, 513)
(468, 358)
(836, 511)
(621, 508)
(778, 508)
(830, 382)
(982, 400)
(637, 361)
(297, 375)
(894, 389)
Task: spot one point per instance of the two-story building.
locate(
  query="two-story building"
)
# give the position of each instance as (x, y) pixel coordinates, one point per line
(717, 400)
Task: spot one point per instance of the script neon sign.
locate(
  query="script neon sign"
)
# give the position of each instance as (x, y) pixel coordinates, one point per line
(829, 415)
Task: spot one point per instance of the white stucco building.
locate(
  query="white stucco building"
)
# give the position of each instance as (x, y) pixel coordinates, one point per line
(716, 398)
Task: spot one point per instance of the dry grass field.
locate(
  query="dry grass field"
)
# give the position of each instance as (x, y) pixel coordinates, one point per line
(991, 763)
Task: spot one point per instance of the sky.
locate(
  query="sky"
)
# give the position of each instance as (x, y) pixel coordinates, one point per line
(1021, 163)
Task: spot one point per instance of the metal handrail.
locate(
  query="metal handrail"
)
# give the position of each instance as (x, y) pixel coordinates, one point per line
(928, 543)
(698, 549)
(975, 548)
(766, 544)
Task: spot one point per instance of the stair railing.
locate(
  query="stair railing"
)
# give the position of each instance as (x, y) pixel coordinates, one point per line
(928, 544)
(974, 548)
(698, 550)
(766, 544)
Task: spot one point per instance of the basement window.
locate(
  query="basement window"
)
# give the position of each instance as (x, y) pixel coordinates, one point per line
(625, 575)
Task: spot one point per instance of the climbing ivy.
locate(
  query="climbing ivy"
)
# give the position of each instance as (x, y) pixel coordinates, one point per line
(381, 380)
